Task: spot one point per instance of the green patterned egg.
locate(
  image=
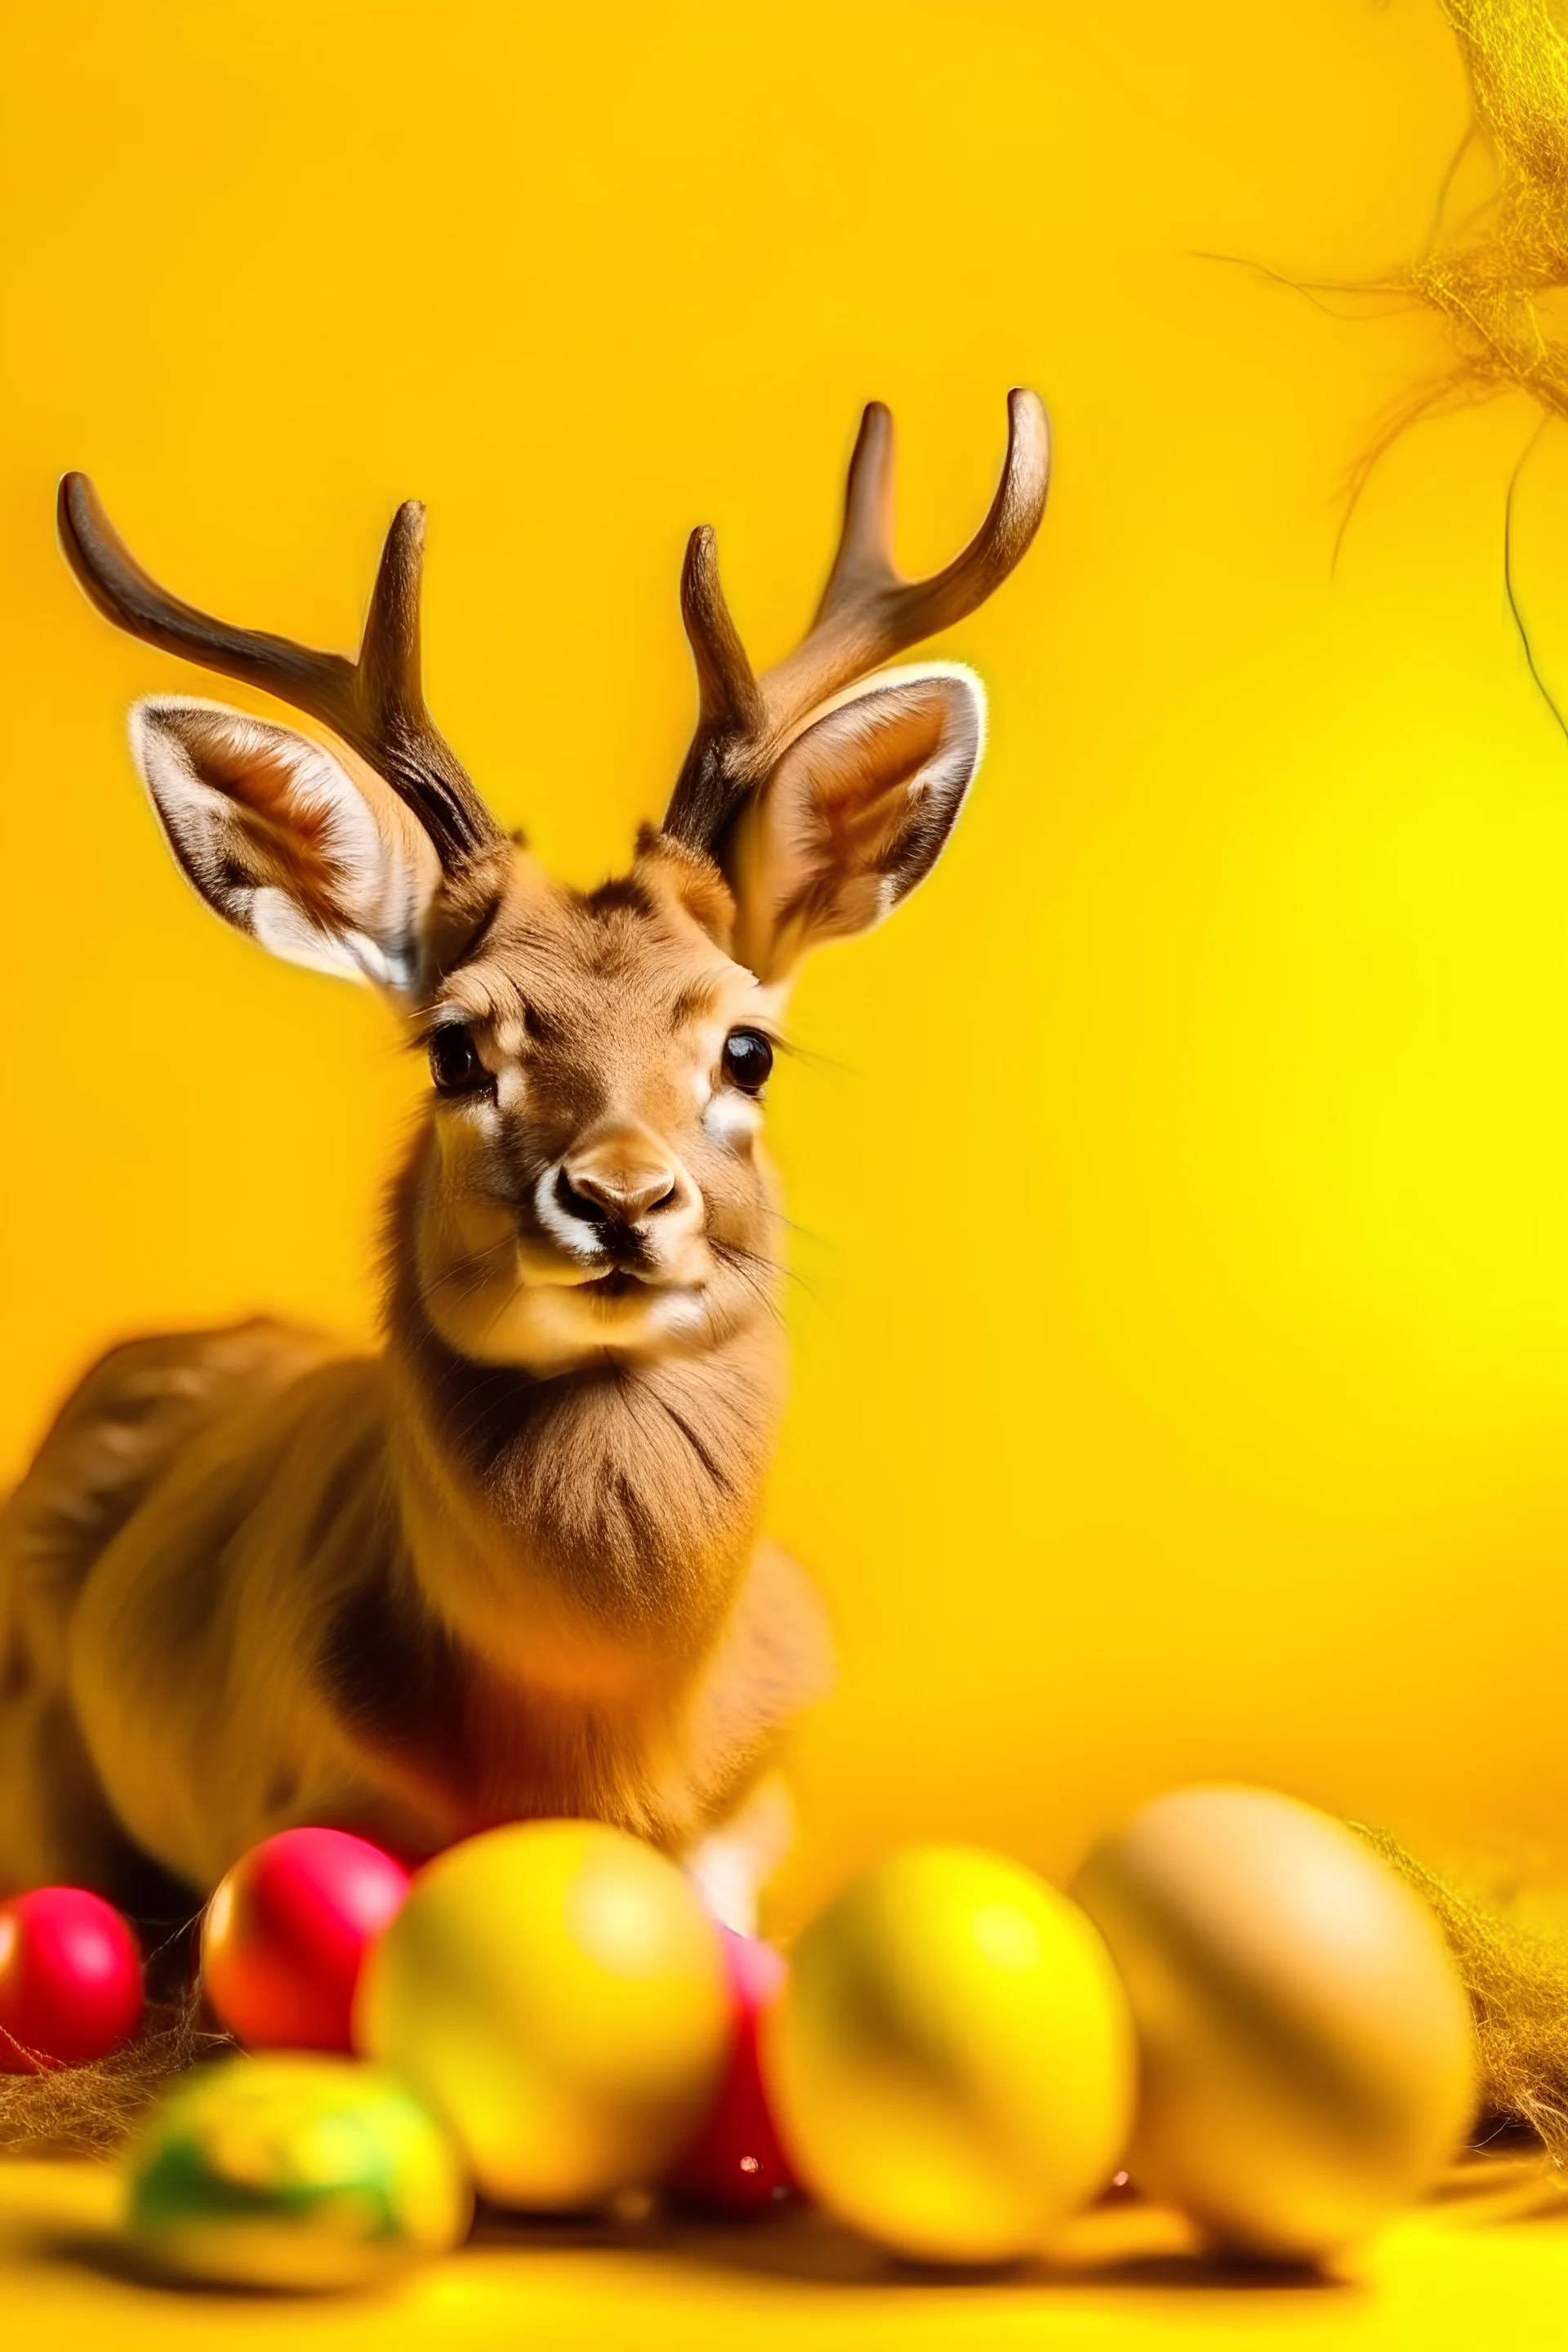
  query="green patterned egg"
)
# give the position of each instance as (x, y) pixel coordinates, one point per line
(287, 2170)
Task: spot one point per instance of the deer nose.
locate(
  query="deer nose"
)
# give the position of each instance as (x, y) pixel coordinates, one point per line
(616, 1181)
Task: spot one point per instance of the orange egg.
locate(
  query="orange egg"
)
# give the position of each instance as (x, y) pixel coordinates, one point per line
(1306, 2053)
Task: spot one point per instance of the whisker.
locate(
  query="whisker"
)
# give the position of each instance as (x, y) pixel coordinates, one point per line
(773, 1265)
(463, 1282)
(792, 1224)
(811, 1058)
(472, 1268)
(742, 1263)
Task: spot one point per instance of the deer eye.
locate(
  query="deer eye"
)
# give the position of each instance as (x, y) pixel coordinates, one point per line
(454, 1064)
(748, 1059)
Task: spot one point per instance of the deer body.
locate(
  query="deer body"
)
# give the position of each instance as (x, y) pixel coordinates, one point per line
(513, 1565)
(347, 1660)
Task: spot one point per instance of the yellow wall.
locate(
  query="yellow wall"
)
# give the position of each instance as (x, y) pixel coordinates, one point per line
(1183, 1345)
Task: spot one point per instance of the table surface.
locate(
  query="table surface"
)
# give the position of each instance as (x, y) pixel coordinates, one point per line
(1486, 2265)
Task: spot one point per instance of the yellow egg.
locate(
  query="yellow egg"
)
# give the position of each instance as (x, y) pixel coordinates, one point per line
(1306, 2059)
(557, 1990)
(294, 2171)
(951, 2062)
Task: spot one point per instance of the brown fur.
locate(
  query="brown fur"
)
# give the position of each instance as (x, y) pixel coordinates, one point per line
(254, 1580)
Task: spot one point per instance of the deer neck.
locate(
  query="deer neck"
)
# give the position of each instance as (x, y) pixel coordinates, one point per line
(584, 1536)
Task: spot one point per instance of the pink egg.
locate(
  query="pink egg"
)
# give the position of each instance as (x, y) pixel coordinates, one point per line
(70, 1980)
(735, 2164)
(286, 1931)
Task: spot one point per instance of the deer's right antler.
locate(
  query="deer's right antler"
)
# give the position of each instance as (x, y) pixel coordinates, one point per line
(868, 614)
(375, 704)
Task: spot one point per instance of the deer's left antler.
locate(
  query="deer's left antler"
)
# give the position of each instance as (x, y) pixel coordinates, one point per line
(868, 614)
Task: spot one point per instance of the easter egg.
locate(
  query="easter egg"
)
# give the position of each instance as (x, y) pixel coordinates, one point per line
(70, 1980)
(1307, 2059)
(951, 2061)
(558, 1992)
(294, 2171)
(735, 2164)
(286, 1931)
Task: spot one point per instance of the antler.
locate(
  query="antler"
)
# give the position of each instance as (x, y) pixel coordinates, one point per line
(375, 704)
(869, 613)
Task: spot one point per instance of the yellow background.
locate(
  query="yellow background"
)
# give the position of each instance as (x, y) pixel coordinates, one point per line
(1183, 1334)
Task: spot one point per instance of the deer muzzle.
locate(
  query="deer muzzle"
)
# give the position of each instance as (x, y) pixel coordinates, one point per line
(619, 1193)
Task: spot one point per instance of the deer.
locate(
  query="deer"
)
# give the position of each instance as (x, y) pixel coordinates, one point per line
(512, 1564)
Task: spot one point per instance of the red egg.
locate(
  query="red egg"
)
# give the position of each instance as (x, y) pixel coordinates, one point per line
(735, 2165)
(286, 1931)
(70, 1980)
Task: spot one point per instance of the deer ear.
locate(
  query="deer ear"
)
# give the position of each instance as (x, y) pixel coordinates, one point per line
(856, 812)
(283, 843)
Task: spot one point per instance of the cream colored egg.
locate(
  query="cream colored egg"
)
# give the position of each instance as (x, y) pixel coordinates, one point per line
(1306, 2051)
(951, 2061)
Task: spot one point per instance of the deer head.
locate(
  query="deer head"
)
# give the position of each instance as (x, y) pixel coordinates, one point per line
(590, 1184)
